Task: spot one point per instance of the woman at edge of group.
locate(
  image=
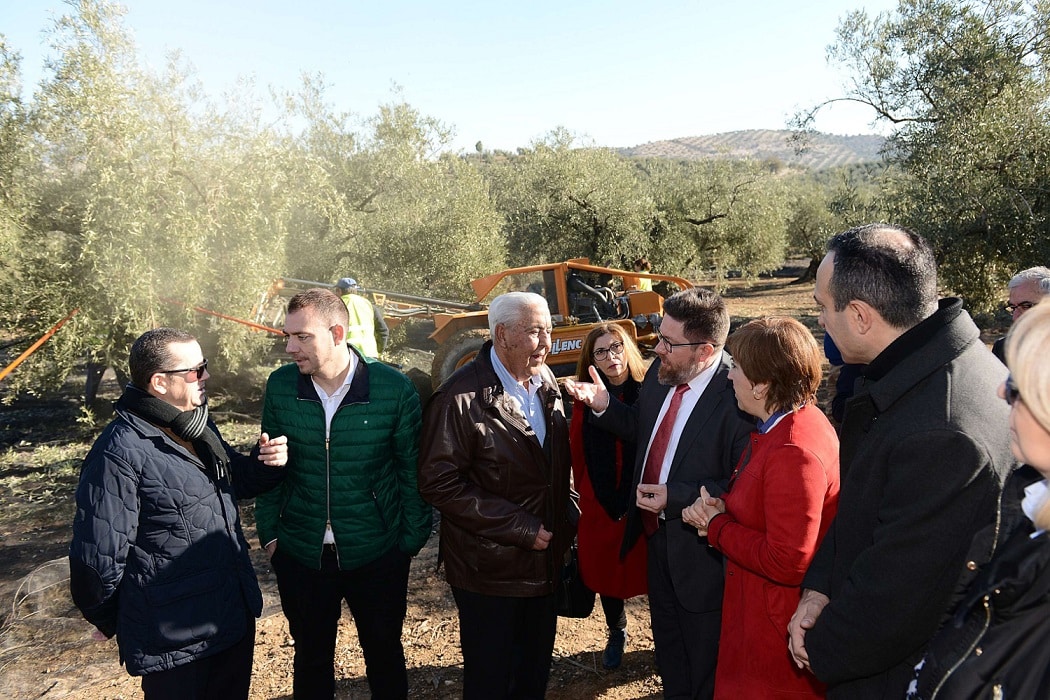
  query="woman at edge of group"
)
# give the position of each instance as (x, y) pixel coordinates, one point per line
(996, 642)
(602, 471)
(781, 500)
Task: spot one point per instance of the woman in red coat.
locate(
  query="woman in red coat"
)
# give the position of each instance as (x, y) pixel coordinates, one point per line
(782, 497)
(601, 472)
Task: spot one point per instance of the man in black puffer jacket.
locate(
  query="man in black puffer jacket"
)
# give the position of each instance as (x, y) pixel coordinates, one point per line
(158, 557)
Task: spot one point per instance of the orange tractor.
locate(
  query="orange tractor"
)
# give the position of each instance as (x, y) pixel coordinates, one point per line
(580, 295)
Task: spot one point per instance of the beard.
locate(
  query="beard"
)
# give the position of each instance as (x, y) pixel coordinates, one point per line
(673, 376)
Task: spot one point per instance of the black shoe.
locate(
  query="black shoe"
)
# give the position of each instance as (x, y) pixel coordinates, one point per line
(613, 654)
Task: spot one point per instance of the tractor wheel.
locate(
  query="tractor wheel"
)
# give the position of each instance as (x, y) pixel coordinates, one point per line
(458, 351)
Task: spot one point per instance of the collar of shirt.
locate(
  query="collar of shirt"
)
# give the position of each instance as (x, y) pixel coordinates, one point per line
(1035, 496)
(698, 384)
(331, 402)
(527, 396)
(766, 425)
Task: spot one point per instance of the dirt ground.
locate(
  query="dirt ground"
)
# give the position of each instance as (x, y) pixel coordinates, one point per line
(47, 650)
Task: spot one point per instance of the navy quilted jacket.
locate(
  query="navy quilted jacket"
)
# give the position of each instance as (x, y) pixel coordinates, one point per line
(158, 557)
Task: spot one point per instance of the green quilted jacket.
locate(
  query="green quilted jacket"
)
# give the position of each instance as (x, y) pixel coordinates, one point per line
(363, 481)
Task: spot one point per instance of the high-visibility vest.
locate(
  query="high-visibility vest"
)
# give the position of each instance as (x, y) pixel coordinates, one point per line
(361, 333)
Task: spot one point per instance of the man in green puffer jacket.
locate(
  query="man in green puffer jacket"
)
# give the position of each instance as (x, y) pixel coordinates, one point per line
(349, 517)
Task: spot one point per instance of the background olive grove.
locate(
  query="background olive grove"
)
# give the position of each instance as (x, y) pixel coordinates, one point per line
(122, 189)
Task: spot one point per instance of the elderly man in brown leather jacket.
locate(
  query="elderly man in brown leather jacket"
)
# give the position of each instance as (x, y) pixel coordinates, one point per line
(494, 459)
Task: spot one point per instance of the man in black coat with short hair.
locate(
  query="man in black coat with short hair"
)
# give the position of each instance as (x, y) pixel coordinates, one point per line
(924, 452)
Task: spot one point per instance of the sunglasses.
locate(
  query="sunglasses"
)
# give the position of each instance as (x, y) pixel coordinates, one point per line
(199, 371)
(1011, 392)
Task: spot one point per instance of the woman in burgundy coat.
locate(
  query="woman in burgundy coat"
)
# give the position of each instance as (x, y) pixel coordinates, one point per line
(604, 484)
(782, 497)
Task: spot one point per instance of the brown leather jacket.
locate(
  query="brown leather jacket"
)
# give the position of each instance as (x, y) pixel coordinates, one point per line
(483, 468)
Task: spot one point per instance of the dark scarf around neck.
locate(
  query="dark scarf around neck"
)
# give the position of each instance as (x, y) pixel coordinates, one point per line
(599, 450)
(191, 426)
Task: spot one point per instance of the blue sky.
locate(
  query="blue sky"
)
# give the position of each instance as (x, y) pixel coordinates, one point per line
(615, 73)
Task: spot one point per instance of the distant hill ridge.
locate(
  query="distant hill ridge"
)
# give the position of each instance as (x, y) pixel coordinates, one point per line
(822, 150)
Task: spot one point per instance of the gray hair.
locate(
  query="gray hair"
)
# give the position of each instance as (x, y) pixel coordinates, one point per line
(513, 306)
(1040, 276)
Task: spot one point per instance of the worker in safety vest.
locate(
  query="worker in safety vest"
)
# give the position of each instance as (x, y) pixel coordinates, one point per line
(368, 331)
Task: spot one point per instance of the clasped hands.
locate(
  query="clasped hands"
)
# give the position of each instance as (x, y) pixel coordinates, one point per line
(811, 605)
(703, 509)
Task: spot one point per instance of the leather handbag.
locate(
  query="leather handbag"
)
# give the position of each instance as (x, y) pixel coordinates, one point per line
(574, 598)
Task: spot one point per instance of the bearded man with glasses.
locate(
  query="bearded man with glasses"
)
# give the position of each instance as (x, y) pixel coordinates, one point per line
(158, 557)
(690, 434)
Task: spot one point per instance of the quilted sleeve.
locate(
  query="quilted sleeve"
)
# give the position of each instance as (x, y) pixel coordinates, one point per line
(267, 505)
(416, 513)
(103, 530)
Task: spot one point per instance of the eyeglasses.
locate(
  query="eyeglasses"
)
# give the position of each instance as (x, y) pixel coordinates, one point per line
(614, 349)
(671, 346)
(1023, 306)
(1011, 392)
(199, 370)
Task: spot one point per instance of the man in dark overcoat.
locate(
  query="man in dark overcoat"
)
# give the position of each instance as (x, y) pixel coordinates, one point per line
(924, 452)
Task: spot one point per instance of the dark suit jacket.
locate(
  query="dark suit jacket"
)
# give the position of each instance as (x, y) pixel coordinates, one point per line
(713, 439)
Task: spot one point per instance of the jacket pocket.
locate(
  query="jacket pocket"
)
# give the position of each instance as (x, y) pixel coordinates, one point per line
(379, 512)
(186, 611)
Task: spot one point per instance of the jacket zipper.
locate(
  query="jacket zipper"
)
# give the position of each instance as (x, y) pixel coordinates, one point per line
(969, 650)
(997, 690)
(327, 471)
(328, 491)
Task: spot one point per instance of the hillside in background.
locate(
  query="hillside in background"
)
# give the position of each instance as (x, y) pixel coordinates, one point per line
(822, 150)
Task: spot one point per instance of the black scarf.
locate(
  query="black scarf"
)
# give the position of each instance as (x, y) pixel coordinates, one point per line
(599, 451)
(191, 426)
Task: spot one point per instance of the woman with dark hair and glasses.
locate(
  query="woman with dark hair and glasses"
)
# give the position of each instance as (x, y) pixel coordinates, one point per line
(782, 497)
(601, 472)
(996, 643)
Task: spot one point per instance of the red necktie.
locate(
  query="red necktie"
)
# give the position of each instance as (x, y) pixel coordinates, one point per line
(654, 461)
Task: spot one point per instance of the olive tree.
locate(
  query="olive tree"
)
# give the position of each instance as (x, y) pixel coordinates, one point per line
(964, 85)
(13, 200)
(401, 213)
(147, 202)
(561, 201)
(715, 215)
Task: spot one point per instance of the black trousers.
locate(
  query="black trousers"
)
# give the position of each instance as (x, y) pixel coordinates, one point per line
(507, 645)
(226, 675)
(312, 601)
(686, 642)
